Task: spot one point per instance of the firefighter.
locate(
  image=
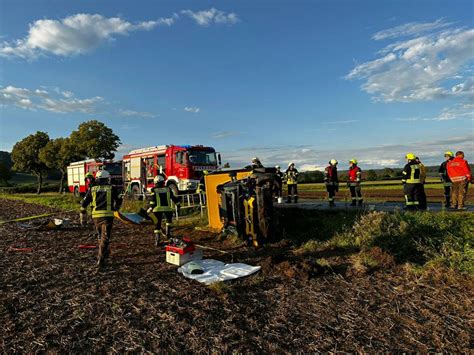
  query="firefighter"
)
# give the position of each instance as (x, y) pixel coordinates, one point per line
(443, 174)
(460, 174)
(256, 164)
(332, 181)
(411, 182)
(159, 204)
(291, 178)
(353, 182)
(89, 181)
(279, 177)
(104, 200)
(201, 190)
(423, 202)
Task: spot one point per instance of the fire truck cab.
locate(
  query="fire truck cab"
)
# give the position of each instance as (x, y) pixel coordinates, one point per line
(181, 166)
(76, 173)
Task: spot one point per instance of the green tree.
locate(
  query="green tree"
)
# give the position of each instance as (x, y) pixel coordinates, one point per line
(58, 154)
(6, 159)
(5, 173)
(371, 175)
(95, 140)
(25, 156)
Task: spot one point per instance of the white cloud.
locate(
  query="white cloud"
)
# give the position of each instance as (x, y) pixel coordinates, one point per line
(420, 68)
(224, 134)
(371, 157)
(192, 109)
(410, 29)
(132, 113)
(73, 35)
(212, 15)
(341, 122)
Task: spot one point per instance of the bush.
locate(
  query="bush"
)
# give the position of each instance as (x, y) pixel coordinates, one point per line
(419, 238)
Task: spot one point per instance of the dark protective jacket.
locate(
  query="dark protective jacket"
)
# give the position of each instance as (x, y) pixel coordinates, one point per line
(411, 173)
(291, 176)
(330, 175)
(104, 200)
(161, 197)
(443, 172)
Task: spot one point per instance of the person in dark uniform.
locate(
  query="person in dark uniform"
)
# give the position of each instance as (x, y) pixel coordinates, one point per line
(411, 179)
(104, 200)
(443, 174)
(331, 181)
(160, 204)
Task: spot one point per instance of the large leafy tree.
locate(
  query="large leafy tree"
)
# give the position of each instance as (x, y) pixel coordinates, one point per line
(25, 156)
(58, 154)
(5, 173)
(95, 140)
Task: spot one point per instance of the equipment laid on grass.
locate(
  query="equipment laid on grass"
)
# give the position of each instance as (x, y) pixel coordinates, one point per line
(209, 271)
(182, 251)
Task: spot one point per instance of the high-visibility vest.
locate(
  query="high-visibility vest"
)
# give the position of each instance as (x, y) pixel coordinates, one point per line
(102, 201)
(413, 176)
(291, 177)
(162, 201)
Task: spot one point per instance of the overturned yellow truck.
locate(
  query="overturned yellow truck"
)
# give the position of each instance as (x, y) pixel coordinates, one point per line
(241, 202)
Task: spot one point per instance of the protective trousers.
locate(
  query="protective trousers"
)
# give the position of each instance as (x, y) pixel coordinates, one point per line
(422, 196)
(447, 195)
(331, 189)
(293, 191)
(159, 219)
(458, 194)
(103, 226)
(356, 193)
(412, 196)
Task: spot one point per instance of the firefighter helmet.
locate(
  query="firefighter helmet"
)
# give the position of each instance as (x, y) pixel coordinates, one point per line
(205, 172)
(255, 160)
(102, 174)
(449, 153)
(290, 164)
(410, 156)
(333, 162)
(277, 167)
(158, 178)
(353, 161)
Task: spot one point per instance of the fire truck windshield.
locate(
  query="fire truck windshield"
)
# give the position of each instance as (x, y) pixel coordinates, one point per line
(202, 157)
(113, 168)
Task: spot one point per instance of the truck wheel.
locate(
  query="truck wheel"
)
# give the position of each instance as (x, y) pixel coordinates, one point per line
(76, 192)
(135, 192)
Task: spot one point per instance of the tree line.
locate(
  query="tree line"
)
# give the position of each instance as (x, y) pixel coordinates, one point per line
(37, 153)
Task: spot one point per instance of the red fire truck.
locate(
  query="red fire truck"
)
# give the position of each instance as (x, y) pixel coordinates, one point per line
(77, 171)
(182, 167)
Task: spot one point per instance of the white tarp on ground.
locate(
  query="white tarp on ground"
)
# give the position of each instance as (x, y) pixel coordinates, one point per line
(215, 271)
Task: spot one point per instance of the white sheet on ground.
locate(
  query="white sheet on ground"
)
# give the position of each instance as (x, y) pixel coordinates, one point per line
(215, 271)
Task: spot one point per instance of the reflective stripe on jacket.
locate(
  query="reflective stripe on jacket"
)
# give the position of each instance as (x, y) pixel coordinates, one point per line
(411, 173)
(353, 176)
(161, 199)
(102, 201)
(292, 177)
(459, 170)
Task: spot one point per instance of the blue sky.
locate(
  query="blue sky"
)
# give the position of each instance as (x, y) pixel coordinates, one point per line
(302, 81)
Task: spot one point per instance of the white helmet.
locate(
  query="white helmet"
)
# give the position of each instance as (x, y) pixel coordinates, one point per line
(102, 174)
(333, 162)
(255, 160)
(158, 178)
(277, 167)
(290, 164)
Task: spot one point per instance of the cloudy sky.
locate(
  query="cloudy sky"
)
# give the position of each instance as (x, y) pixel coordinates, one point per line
(302, 81)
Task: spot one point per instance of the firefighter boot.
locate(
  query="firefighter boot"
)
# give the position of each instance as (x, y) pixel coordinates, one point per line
(296, 199)
(168, 231)
(332, 204)
(288, 200)
(353, 202)
(360, 202)
(157, 233)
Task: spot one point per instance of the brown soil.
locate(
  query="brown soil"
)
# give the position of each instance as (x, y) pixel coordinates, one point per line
(53, 299)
